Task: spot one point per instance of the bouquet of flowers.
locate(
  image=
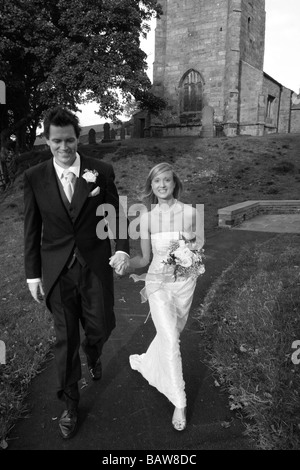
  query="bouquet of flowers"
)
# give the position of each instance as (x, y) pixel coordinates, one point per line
(186, 258)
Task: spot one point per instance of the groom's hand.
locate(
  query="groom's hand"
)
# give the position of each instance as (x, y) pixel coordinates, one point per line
(36, 290)
(120, 262)
(121, 269)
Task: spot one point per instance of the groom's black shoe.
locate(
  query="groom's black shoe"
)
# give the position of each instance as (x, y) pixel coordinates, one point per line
(95, 369)
(68, 423)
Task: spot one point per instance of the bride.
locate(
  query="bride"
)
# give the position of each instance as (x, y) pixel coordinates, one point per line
(169, 300)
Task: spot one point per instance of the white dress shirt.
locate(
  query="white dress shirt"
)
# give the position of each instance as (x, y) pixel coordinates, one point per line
(75, 168)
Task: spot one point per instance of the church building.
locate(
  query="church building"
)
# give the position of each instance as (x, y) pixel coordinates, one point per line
(209, 57)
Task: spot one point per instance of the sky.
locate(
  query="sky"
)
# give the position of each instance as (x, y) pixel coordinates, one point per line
(282, 41)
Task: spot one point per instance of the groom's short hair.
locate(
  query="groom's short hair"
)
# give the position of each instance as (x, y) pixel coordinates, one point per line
(61, 117)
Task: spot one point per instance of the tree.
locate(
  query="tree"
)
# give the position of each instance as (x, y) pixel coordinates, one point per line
(69, 52)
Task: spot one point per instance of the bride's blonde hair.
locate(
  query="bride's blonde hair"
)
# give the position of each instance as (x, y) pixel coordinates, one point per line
(148, 195)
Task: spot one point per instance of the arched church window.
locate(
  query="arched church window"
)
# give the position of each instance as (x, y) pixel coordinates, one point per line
(191, 90)
(270, 107)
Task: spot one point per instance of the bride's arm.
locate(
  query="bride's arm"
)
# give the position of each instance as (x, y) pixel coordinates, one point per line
(140, 261)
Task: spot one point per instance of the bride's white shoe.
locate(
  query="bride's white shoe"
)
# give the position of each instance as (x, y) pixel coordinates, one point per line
(179, 419)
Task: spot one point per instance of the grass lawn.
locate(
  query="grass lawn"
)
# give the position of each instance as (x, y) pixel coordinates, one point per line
(250, 320)
(253, 324)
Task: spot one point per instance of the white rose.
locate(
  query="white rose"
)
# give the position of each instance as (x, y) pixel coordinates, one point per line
(182, 251)
(184, 256)
(186, 262)
(89, 176)
(201, 269)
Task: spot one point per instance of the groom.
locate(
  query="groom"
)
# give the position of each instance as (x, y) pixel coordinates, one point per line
(65, 260)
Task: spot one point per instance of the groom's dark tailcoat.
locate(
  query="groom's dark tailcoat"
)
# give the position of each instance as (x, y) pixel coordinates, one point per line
(54, 228)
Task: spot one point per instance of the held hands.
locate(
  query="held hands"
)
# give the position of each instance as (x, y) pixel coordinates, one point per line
(36, 290)
(120, 263)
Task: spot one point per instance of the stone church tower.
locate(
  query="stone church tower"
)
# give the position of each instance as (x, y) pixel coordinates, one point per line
(209, 55)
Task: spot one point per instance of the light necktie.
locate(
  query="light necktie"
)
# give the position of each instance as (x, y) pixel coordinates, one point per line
(69, 179)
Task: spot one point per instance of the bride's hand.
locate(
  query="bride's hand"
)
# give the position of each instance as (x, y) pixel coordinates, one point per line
(190, 240)
(119, 262)
(121, 268)
(117, 259)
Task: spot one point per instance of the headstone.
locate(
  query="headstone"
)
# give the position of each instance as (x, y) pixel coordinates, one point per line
(92, 136)
(207, 122)
(122, 133)
(219, 129)
(113, 134)
(106, 129)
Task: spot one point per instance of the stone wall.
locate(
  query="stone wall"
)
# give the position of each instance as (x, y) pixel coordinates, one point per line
(295, 120)
(253, 33)
(279, 119)
(232, 216)
(252, 103)
(191, 35)
(271, 88)
(181, 131)
(284, 121)
(224, 41)
(232, 68)
(211, 37)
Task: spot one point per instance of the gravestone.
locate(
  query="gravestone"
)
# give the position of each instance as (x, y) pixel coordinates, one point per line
(113, 134)
(122, 133)
(92, 136)
(106, 129)
(207, 122)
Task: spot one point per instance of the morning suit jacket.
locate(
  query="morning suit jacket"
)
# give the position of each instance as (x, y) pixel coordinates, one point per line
(52, 230)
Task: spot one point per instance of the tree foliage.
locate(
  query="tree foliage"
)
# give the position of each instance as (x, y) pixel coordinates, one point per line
(69, 52)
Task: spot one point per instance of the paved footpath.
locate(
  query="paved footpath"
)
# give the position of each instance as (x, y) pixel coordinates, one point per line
(123, 412)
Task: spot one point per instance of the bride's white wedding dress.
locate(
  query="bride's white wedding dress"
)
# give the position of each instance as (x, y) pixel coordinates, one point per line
(169, 303)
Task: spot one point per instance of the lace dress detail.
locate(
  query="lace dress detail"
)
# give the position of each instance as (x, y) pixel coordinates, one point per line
(169, 302)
